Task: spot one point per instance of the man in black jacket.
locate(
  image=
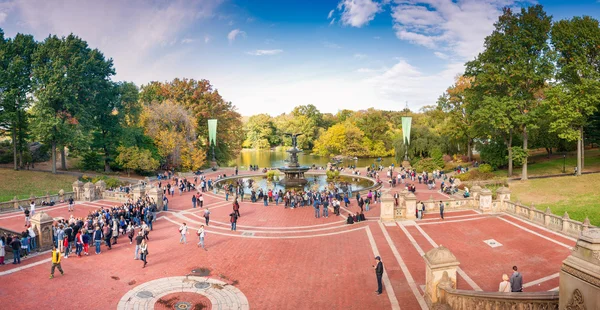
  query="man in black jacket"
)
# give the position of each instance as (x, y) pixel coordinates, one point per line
(379, 273)
(16, 247)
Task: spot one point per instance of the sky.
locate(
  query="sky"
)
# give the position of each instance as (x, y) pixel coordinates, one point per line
(268, 56)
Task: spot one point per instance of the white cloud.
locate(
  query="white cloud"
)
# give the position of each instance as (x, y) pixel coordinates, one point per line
(127, 31)
(249, 19)
(3, 16)
(360, 56)
(441, 55)
(207, 38)
(328, 44)
(458, 27)
(187, 41)
(233, 34)
(230, 23)
(265, 52)
(358, 13)
(332, 21)
(330, 14)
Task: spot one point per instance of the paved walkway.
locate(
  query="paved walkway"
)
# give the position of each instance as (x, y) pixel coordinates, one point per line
(284, 259)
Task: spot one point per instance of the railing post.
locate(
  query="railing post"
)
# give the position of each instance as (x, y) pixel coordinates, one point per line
(441, 264)
(580, 273)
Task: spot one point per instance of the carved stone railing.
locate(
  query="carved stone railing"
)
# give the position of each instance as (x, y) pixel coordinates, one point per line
(15, 203)
(476, 300)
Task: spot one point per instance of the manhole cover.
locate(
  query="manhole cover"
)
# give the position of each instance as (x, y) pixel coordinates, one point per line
(202, 285)
(183, 305)
(202, 272)
(144, 294)
(248, 234)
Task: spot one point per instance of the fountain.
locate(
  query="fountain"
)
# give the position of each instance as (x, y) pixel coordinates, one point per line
(294, 173)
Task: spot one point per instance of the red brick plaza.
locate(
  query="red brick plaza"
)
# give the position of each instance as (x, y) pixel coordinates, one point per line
(282, 259)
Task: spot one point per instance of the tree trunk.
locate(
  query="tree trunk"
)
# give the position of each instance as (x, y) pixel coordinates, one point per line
(470, 149)
(14, 142)
(582, 149)
(510, 159)
(54, 157)
(524, 171)
(106, 154)
(63, 158)
(579, 152)
(548, 152)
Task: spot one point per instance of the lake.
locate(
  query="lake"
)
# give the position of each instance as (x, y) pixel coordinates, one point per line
(276, 158)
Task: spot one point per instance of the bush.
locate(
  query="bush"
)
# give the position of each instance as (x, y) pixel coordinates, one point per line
(485, 168)
(447, 158)
(437, 157)
(332, 175)
(475, 175)
(271, 174)
(426, 164)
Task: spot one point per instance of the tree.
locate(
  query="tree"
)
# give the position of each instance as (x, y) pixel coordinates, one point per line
(134, 158)
(575, 96)
(260, 132)
(513, 70)
(15, 83)
(341, 139)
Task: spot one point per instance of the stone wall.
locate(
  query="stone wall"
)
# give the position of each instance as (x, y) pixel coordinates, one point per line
(15, 203)
(475, 300)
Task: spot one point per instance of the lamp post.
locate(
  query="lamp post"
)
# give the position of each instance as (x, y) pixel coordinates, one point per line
(564, 160)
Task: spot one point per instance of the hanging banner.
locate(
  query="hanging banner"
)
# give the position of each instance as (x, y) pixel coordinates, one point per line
(212, 131)
(406, 123)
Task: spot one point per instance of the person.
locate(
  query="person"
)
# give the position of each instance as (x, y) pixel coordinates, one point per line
(55, 262)
(316, 206)
(183, 230)
(16, 249)
(194, 201)
(236, 208)
(504, 286)
(516, 281)
(138, 242)
(144, 252)
(201, 200)
(32, 208)
(201, 235)
(379, 273)
(78, 244)
(441, 209)
(2, 251)
(233, 219)
(207, 215)
(350, 220)
(71, 204)
(97, 239)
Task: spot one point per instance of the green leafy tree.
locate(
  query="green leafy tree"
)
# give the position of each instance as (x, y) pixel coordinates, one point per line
(134, 158)
(575, 96)
(260, 132)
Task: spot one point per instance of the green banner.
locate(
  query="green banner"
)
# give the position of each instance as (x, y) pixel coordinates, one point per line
(406, 123)
(212, 131)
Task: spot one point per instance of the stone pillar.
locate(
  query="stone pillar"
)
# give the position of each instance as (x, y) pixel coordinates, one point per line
(565, 223)
(156, 194)
(138, 192)
(15, 202)
(78, 190)
(475, 191)
(100, 187)
(440, 263)
(387, 213)
(411, 206)
(89, 192)
(42, 225)
(580, 273)
(503, 195)
(485, 200)
(547, 216)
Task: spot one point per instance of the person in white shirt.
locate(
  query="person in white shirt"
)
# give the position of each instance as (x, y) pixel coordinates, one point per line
(183, 229)
(32, 208)
(32, 242)
(201, 235)
(504, 286)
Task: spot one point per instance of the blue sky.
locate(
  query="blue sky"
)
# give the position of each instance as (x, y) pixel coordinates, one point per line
(269, 56)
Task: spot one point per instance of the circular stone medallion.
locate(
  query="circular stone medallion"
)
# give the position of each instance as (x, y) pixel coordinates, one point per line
(183, 305)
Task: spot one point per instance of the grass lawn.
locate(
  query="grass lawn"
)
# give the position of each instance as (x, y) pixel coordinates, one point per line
(23, 183)
(541, 165)
(579, 196)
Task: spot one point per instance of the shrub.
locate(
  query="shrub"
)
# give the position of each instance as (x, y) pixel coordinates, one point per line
(485, 168)
(475, 174)
(91, 161)
(332, 175)
(426, 164)
(271, 174)
(437, 157)
(447, 158)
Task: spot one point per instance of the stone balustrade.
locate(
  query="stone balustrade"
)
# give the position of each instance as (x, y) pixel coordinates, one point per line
(563, 224)
(476, 300)
(15, 203)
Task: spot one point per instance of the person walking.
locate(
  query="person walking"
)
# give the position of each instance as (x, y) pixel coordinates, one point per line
(183, 230)
(233, 219)
(55, 262)
(236, 208)
(144, 252)
(379, 273)
(201, 235)
(2, 250)
(206, 215)
(504, 286)
(516, 281)
(201, 200)
(194, 201)
(138, 242)
(71, 204)
(441, 209)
